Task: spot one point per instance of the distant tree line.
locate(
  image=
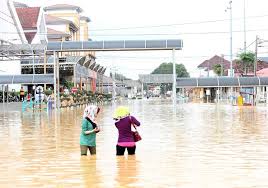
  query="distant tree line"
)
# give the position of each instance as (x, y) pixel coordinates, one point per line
(167, 68)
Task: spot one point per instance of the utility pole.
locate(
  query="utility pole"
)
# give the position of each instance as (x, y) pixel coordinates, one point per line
(174, 81)
(256, 56)
(255, 69)
(231, 38)
(245, 36)
(231, 46)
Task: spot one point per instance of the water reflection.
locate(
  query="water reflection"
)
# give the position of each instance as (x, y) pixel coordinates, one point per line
(127, 171)
(202, 145)
(89, 171)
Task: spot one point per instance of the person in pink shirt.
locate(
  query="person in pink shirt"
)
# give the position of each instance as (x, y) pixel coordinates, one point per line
(123, 122)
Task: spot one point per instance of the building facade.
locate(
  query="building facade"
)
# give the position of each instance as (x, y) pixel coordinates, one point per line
(38, 25)
(66, 23)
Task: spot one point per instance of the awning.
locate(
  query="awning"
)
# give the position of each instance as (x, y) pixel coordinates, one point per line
(27, 79)
(222, 82)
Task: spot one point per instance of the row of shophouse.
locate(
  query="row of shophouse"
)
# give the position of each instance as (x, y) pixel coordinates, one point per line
(250, 94)
(23, 24)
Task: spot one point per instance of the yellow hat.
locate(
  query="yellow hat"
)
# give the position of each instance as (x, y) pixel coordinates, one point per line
(120, 112)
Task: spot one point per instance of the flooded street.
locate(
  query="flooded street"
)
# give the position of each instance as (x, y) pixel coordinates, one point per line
(202, 145)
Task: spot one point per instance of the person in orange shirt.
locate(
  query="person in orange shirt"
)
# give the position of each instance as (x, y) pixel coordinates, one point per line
(21, 94)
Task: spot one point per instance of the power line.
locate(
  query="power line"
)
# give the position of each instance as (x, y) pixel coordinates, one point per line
(178, 24)
(159, 57)
(186, 33)
(5, 14)
(147, 57)
(154, 34)
(6, 20)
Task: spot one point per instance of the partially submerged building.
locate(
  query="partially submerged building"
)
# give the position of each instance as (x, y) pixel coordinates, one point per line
(36, 26)
(208, 87)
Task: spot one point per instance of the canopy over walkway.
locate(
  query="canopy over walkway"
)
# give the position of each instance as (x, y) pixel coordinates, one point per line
(117, 45)
(27, 79)
(222, 82)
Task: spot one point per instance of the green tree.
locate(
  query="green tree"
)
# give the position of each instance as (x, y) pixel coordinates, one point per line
(167, 68)
(67, 84)
(247, 59)
(218, 69)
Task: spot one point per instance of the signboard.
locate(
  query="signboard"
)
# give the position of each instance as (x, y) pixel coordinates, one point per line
(74, 90)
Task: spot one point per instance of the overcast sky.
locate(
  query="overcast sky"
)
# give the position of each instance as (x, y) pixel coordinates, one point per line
(202, 25)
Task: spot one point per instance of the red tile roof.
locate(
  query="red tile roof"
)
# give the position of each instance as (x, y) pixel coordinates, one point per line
(28, 17)
(263, 72)
(213, 61)
(239, 68)
(30, 36)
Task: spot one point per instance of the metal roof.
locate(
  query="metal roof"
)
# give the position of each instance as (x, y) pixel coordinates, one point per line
(21, 50)
(27, 79)
(222, 82)
(122, 45)
(63, 7)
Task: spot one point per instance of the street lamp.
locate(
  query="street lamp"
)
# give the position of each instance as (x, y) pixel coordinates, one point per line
(231, 37)
(231, 45)
(256, 55)
(245, 36)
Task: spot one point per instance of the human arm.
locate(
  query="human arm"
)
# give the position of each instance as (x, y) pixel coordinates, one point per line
(134, 121)
(92, 131)
(94, 125)
(85, 128)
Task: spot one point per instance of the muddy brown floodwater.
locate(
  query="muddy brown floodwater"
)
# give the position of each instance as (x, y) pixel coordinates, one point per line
(202, 145)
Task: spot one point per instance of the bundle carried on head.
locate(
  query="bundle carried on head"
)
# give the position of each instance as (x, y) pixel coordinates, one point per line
(121, 112)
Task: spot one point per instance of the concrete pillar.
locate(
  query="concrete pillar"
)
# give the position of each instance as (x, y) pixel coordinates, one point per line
(74, 75)
(267, 94)
(45, 69)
